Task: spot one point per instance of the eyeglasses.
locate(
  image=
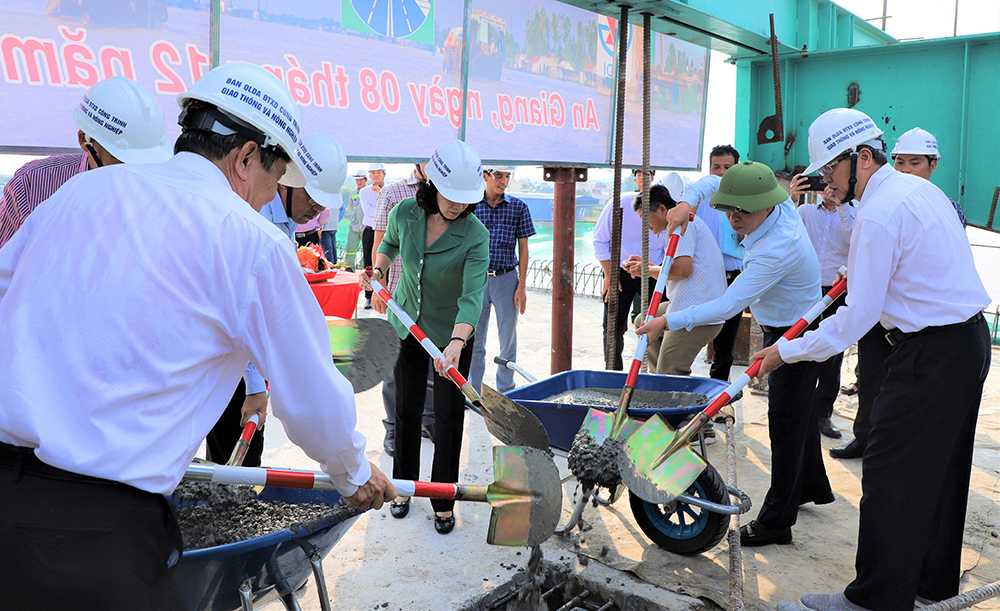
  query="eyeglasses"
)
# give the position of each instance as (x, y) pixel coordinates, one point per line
(731, 209)
(828, 168)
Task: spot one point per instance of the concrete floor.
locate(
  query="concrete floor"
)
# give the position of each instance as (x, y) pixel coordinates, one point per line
(383, 563)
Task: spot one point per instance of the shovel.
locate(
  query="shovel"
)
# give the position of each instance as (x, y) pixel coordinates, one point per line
(364, 350)
(600, 424)
(526, 494)
(507, 421)
(656, 463)
(240, 451)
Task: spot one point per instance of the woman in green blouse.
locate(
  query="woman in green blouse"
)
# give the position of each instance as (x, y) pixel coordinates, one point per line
(445, 252)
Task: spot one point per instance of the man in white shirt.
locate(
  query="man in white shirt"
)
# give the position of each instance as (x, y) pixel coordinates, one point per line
(911, 268)
(829, 224)
(115, 365)
(368, 197)
(696, 275)
(779, 282)
(631, 244)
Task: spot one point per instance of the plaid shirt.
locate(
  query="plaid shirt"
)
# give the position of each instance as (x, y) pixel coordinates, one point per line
(32, 184)
(388, 197)
(508, 222)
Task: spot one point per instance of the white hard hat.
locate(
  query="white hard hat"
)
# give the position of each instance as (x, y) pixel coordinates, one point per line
(125, 119)
(360, 175)
(376, 166)
(675, 186)
(499, 168)
(325, 167)
(457, 172)
(917, 142)
(251, 100)
(839, 130)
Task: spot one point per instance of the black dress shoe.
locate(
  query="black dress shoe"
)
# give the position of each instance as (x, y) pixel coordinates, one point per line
(828, 429)
(755, 535)
(443, 526)
(824, 499)
(851, 450)
(389, 443)
(399, 510)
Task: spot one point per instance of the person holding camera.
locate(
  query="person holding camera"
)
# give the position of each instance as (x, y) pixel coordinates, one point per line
(828, 223)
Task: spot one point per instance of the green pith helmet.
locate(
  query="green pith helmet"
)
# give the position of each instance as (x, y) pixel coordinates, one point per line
(749, 186)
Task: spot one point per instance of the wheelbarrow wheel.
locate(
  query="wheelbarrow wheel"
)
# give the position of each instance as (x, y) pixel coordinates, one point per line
(681, 528)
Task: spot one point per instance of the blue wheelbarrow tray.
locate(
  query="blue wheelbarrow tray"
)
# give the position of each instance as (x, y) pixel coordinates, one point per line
(279, 563)
(563, 420)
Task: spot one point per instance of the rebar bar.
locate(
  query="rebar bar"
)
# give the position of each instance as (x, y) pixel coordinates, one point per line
(611, 344)
(966, 599)
(735, 552)
(646, 178)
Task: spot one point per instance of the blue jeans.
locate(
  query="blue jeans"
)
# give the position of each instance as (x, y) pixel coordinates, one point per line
(328, 240)
(499, 293)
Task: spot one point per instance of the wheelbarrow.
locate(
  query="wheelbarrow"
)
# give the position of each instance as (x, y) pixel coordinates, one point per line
(695, 521)
(264, 569)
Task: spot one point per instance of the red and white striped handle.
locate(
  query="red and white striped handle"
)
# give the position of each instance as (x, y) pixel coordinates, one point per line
(310, 480)
(240, 451)
(836, 291)
(421, 336)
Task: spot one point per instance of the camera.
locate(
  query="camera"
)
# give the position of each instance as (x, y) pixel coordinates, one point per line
(815, 183)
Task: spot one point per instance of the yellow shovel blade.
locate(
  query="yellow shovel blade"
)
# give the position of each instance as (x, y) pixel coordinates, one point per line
(663, 483)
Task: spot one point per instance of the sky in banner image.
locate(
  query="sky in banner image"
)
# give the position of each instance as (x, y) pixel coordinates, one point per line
(546, 72)
(52, 52)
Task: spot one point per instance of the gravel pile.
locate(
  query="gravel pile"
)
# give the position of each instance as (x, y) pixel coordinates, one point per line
(641, 399)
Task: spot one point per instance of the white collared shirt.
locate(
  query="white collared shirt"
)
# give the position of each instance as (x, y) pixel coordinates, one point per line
(117, 362)
(631, 232)
(830, 232)
(910, 267)
(699, 193)
(369, 202)
(779, 282)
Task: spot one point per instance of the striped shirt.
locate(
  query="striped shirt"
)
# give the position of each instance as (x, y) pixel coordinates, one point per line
(388, 197)
(32, 184)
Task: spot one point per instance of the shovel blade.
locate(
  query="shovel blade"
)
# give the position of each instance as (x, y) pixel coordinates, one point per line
(665, 482)
(526, 497)
(599, 423)
(364, 350)
(511, 423)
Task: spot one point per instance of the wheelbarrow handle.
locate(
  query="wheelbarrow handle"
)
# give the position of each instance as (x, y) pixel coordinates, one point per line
(509, 364)
(691, 428)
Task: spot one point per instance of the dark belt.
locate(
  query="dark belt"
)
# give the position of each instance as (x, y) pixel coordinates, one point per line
(895, 337)
(499, 272)
(23, 460)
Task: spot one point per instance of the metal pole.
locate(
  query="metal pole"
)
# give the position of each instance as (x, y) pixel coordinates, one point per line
(885, 12)
(214, 28)
(611, 349)
(466, 52)
(563, 236)
(647, 92)
(955, 31)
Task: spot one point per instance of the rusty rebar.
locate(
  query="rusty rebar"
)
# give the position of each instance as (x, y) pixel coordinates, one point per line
(735, 551)
(611, 344)
(646, 99)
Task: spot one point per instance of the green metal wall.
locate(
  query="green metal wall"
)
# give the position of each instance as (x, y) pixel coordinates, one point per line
(950, 87)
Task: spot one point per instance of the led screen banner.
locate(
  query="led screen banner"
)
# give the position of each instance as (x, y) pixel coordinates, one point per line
(385, 77)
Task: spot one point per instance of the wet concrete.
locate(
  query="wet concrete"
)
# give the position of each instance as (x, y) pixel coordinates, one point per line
(593, 464)
(641, 399)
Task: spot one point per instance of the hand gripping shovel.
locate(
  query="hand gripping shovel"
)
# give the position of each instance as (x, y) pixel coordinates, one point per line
(657, 464)
(526, 494)
(507, 421)
(600, 424)
(240, 451)
(364, 350)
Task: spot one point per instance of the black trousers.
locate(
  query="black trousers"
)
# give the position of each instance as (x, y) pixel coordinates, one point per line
(449, 416)
(630, 288)
(828, 383)
(72, 542)
(873, 351)
(367, 244)
(797, 471)
(223, 437)
(916, 469)
(725, 341)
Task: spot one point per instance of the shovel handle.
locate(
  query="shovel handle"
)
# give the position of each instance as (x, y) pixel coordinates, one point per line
(640, 350)
(240, 451)
(691, 428)
(317, 480)
(425, 341)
